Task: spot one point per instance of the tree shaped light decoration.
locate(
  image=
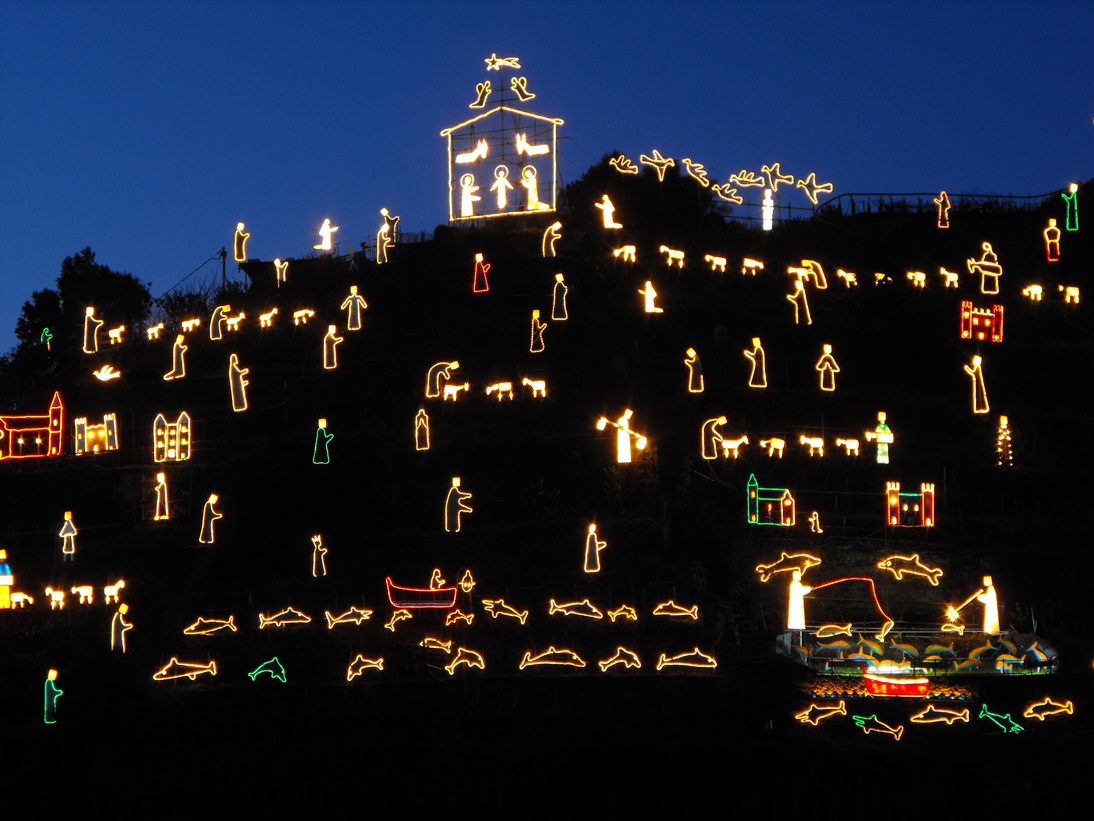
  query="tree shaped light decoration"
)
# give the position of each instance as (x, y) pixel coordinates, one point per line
(68, 533)
(1004, 448)
(593, 546)
(827, 368)
(209, 516)
(353, 305)
(479, 282)
(455, 504)
(330, 348)
(239, 243)
(695, 371)
(1071, 200)
(421, 430)
(387, 236)
(623, 436)
(237, 383)
(326, 231)
(1052, 241)
(537, 345)
(119, 627)
(608, 212)
(320, 454)
(979, 392)
(559, 311)
(883, 436)
(649, 294)
(163, 506)
(92, 324)
(758, 377)
(987, 267)
(943, 203)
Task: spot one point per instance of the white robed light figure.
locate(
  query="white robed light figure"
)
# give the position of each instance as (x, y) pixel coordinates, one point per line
(795, 616)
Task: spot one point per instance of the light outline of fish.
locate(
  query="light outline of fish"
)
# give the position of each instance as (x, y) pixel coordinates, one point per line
(458, 615)
(670, 609)
(861, 722)
(766, 571)
(814, 714)
(588, 611)
(360, 664)
(1011, 726)
(1055, 708)
(932, 714)
(207, 627)
(931, 574)
(693, 658)
(273, 667)
(469, 658)
(499, 607)
(552, 656)
(355, 615)
(623, 655)
(624, 611)
(289, 615)
(400, 614)
(434, 643)
(827, 631)
(192, 670)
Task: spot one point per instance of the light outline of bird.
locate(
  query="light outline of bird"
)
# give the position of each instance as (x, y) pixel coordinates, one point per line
(670, 609)
(932, 714)
(584, 609)
(400, 614)
(659, 162)
(878, 726)
(289, 615)
(812, 187)
(697, 171)
(775, 176)
(184, 669)
(469, 658)
(499, 607)
(496, 63)
(355, 615)
(273, 667)
(360, 664)
(693, 658)
(623, 165)
(206, 627)
(623, 655)
(624, 611)
(1054, 708)
(746, 179)
(814, 714)
(827, 631)
(106, 373)
(727, 193)
(551, 656)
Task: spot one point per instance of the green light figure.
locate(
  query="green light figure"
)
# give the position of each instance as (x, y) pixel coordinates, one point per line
(52, 694)
(47, 337)
(321, 452)
(883, 436)
(272, 667)
(1072, 200)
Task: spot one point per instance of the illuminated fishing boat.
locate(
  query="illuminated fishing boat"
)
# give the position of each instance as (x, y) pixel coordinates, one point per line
(412, 597)
(901, 686)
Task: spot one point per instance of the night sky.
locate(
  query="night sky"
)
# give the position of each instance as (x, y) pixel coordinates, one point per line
(148, 130)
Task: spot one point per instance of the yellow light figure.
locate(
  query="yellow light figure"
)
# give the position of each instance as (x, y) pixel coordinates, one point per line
(468, 197)
(811, 187)
(623, 435)
(479, 283)
(673, 256)
(710, 437)
(774, 445)
(532, 150)
(1035, 293)
(659, 163)
(584, 609)
(551, 234)
(281, 270)
(695, 371)
(421, 430)
(625, 253)
(190, 324)
(814, 714)
(1004, 453)
(990, 600)
(758, 377)
(465, 658)
(623, 165)
(178, 359)
(502, 186)
(68, 537)
(767, 211)
(750, 267)
(56, 598)
(693, 658)
(326, 231)
(850, 279)
(625, 612)
(1042, 709)
(285, 617)
(979, 392)
(353, 305)
(437, 376)
(943, 203)
(608, 212)
(1071, 294)
(697, 171)
(531, 186)
(628, 658)
(672, 610)
(330, 348)
(536, 345)
(498, 607)
(566, 657)
(501, 389)
(266, 320)
(988, 268)
(318, 556)
(240, 243)
(455, 504)
(814, 523)
(559, 312)
(747, 179)
(400, 614)
(163, 508)
(106, 373)
(237, 383)
(716, 263)
(469, 157)
(800, 300)
(217, 322)
(538, 386)
(85, 592)
(116, 335)
(593, 546)
(112, 591)
(650, 301)
(154, 331)
(727, 193)
(360, 664)
(355, 615)
(387, 236)
(209, 516)
(795, 614)
(92, 324)
(775, 176)
(827, 368)
(119, 627)
(939, 715)
(207, 627)
(901, 566)
(850, 446)
(232, 322)
(467, 581)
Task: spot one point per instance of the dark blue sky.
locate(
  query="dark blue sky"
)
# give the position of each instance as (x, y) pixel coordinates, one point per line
(147, 130)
